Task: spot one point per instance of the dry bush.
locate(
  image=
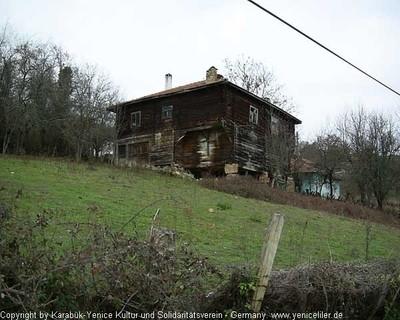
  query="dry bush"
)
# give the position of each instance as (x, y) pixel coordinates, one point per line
(94, 269)
(358, 291)
(101, 270)
(248, 187)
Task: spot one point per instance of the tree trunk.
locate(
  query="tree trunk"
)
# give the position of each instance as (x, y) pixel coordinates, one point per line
(380, 203)
(78, 152)
(362, 193)
(6, 142)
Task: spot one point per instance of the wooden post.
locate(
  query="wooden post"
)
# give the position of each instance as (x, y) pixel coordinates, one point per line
(267, 258)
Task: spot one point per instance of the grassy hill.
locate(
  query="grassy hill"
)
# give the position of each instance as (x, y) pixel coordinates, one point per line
(226, 228)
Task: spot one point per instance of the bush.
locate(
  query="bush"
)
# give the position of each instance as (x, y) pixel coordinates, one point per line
(94, 269)
(46, 265)
(357, 290)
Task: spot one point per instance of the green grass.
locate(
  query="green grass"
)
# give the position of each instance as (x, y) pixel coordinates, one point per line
(232, 232)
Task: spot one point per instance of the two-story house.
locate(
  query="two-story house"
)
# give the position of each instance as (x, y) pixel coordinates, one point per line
(203, 125)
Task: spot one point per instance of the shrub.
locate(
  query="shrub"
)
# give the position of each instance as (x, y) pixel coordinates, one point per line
(94, 269)
(101, 270)
(224, 206)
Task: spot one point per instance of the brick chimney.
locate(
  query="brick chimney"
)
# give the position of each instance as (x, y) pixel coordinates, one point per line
(168, 81)
(211, 75)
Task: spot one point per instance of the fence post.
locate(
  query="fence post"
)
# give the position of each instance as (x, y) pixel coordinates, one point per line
(267, 258)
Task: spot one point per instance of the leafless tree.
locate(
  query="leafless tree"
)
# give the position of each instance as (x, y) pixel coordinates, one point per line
(372, 145)
(255, 77)
(50, 105)
(8, 118)
(89, 126)
(280, 150)
(330, 157)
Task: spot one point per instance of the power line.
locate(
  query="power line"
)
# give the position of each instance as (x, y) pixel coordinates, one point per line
(322, 46)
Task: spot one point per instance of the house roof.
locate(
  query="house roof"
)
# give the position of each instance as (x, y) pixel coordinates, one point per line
(304, 165)
(196, 86)
(184, 88)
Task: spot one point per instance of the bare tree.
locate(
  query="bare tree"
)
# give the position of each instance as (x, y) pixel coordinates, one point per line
(255, 77)
(8, 118)
(89, 126)
(383, 148)
(352, 128)
(372, 145)
(48, 105)
(329, 159)
(280, 146)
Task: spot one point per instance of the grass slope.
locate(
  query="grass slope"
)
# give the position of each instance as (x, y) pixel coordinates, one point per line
(127, 199)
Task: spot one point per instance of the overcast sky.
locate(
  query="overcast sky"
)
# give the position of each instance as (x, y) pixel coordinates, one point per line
(138, 42)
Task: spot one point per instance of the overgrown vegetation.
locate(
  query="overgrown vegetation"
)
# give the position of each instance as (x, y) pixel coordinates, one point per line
(73, 192)
(100, 269)
(50, 105)
(248, 187)
(357, 290)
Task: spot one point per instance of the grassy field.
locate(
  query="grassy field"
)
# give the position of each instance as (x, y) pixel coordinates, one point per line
(226, 228)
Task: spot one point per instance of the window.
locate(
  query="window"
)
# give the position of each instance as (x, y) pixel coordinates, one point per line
(205, 146)
(253, 115)
(121, 151)
(135, 119)
(274, 125)
(167, 112)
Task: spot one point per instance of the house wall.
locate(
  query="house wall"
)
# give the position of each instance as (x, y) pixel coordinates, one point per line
(205, 148)
(248, 139)
(209, 128)
(254, 145)
(193, 137)
(313, 183)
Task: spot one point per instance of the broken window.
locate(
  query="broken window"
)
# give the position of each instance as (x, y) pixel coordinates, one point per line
(135, 119)
(274, 125)
(167, 112)
(205, 144)
(253, 115)
(121, 151)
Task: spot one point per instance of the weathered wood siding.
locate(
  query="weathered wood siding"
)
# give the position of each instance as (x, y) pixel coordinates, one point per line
(206, 148)
(209, 127)
(255, 144)
(249, 146)
(162, 150)
(195, 109)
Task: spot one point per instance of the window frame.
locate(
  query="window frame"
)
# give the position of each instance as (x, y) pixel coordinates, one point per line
(138, 119)
(253, 115)
(122, 154)
(170, 112)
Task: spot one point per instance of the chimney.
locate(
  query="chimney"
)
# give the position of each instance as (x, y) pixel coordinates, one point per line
(168, 81)
(211, 75)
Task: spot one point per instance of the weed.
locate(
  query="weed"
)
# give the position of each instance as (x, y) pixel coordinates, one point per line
(224, 206)
(369, 237)
(254, 218)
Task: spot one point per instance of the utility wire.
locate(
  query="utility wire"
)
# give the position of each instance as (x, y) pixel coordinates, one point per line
(322, 46)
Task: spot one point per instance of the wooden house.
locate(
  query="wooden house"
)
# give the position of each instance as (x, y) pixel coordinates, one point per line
(211, 124)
